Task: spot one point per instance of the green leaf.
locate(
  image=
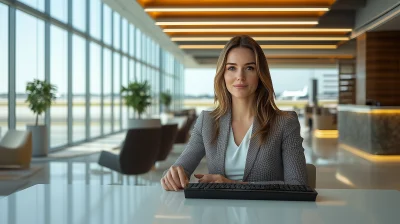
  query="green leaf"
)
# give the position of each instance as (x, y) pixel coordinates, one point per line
(41, 94)
(137, 95)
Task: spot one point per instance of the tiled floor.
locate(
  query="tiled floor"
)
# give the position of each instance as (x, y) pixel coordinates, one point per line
(336, 168)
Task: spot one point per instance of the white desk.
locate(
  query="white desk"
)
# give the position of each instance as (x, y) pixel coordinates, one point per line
(126, 204)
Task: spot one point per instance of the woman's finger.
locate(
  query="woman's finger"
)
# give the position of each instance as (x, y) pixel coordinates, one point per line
(163, 184)
(171, 181)
(182, 177)
(175, 177)
(169, 186)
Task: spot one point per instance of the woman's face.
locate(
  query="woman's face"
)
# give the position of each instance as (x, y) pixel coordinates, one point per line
(240, 75)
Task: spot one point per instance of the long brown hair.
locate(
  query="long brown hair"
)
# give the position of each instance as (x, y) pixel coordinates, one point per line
(266, 110)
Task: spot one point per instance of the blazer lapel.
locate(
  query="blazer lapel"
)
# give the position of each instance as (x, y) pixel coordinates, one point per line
(222, 142)
(253, 150)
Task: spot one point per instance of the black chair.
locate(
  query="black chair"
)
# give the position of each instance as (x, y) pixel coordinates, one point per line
(183, 132)
(169, 132)
(138, 154)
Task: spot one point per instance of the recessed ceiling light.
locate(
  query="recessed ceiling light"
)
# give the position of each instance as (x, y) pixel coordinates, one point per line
(205, 47)
(236, 9)
(224, 30)
(237, 23)
(261, 38)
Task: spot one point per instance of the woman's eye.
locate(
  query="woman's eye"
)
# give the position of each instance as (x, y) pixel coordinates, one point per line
(231, 68)
(250, 68)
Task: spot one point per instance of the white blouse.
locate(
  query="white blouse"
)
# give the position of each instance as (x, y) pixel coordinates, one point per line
(235, 157)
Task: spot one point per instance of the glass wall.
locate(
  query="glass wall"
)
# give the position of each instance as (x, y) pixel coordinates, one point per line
(29, 64)
(59, 78)
(95, 90)
(116, 91)
(79, 16)
(59, 10)
(78, 88)
(106, 52)
(36, 4)
(124, 82)
(3, 69)
(107, 96)
(95, 18)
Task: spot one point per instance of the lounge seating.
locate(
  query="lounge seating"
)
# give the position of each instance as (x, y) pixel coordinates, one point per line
(138, 154)
(169, 132)
(183, 133)
(16, 149)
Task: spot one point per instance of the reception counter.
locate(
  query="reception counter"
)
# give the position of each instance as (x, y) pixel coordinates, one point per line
(375, 130)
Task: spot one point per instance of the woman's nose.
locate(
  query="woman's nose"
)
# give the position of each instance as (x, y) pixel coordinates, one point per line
(240, 75)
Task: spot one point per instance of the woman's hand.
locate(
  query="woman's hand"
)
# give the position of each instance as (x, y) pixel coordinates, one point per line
(175, 179)
(213, 178)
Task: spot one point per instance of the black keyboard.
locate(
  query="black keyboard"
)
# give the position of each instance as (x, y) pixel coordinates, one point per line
(282, 192)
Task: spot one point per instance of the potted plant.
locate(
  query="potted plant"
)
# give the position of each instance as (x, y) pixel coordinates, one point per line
(165, 99)
(41, 95)
(137, 96)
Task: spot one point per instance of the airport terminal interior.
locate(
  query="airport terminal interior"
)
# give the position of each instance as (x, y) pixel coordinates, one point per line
(85, 83)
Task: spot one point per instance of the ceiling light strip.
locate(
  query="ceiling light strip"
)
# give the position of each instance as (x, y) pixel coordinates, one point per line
(223, 30)
(233, 23)
(262, 38)
(262, 46)
(238, 9)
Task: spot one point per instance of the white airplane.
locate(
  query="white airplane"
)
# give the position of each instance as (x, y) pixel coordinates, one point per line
(294, 95)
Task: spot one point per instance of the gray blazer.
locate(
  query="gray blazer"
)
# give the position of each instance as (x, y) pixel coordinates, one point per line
(279, 160)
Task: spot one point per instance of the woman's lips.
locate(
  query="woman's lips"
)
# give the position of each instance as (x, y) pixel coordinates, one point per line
(240, 86)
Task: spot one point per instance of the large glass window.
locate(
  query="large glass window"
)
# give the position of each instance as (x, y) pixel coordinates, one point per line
(107, 24)
(36, 4)
(95, 18)
(78, 88)
(131, 40)
(107, 91)
(138, 44)
(59, 78)
(117, 29)
(138, 74)
(132, 75)
(152, 54)
(95, 90)
(132, 78)
(124, 35)
(115, 35)
(3, 69)
(157, 55)
(59, 10)
(144, 48)
(116, 93)
(124, 82)
(79, 14)
(29, 64)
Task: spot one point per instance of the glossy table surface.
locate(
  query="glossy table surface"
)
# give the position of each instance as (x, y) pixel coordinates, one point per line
(150, 204)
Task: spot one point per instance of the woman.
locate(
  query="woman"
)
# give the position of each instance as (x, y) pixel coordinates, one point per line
(246, 138)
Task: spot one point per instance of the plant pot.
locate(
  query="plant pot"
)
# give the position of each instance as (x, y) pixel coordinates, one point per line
(40, 141)
(144, 123)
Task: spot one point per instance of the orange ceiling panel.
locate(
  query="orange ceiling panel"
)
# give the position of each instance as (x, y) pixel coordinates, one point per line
(244, 11)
